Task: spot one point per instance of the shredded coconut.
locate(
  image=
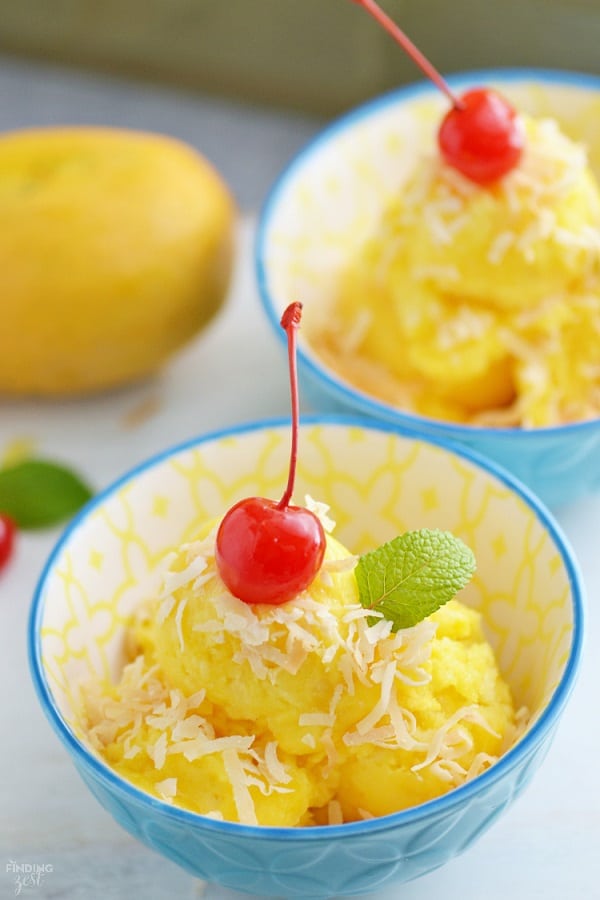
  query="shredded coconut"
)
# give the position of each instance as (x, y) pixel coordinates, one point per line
(174, 580)
(178, 617)
(321, 511)
(281, 638)
(334, 813)
(164, 609)
(241, 794)
(167, 789)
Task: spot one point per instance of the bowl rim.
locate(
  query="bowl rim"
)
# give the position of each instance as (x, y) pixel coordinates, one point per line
(320, 372)
(545, 723)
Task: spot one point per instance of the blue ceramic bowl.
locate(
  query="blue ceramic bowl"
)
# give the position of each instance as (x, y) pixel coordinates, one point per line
(323, 205)
(109, 559)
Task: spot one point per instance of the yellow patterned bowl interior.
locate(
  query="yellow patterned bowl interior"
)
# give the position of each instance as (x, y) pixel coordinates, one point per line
(378, 483)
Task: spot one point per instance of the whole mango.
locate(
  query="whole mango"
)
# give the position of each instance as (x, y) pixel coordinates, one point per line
(116, 247)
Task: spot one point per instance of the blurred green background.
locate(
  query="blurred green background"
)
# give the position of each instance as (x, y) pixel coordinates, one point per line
(318, 56)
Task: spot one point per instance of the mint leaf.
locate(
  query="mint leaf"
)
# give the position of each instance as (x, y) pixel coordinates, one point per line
(36, 493)
(410, 577)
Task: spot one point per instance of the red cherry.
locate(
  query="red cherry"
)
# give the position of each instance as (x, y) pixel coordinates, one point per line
(8, 530)
(481, 136)
(267, 552)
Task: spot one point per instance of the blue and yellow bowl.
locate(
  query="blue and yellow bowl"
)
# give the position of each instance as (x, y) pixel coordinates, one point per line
(379, 483)
(329, 199)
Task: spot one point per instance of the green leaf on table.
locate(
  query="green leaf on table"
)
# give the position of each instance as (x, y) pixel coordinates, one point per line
(410, 577)
(36, 493)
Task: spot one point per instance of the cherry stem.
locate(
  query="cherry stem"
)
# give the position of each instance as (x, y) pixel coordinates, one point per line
(290, 322)
(407, 45)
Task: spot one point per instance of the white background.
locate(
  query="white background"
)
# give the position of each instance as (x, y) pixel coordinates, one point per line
(546, 846)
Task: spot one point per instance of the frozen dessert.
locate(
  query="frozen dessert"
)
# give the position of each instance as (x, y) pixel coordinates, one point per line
(479, 304)
(280, 680)
(312, 711)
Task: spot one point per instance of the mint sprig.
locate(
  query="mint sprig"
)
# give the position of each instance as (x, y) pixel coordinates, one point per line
(411, 576)
(37, 493)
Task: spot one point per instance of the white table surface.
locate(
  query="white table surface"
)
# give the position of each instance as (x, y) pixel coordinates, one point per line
(546, 846)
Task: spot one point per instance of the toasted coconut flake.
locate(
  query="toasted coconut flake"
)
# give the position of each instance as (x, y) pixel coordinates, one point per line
(243, 800)
(178, 617)
(275, 769)
(320, 510)
(174, 580)
(164, 609)
(334, 813)
(167, 789)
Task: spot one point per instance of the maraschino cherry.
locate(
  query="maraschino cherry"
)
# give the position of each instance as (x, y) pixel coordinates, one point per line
(267, 552)
(482, 138)
(8, 531)
(480, 135)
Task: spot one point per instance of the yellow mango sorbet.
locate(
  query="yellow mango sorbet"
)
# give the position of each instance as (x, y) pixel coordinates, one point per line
(480, 305)
(298, 714)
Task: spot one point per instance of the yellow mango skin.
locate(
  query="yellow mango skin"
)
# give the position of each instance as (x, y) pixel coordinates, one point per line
(116, 247)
